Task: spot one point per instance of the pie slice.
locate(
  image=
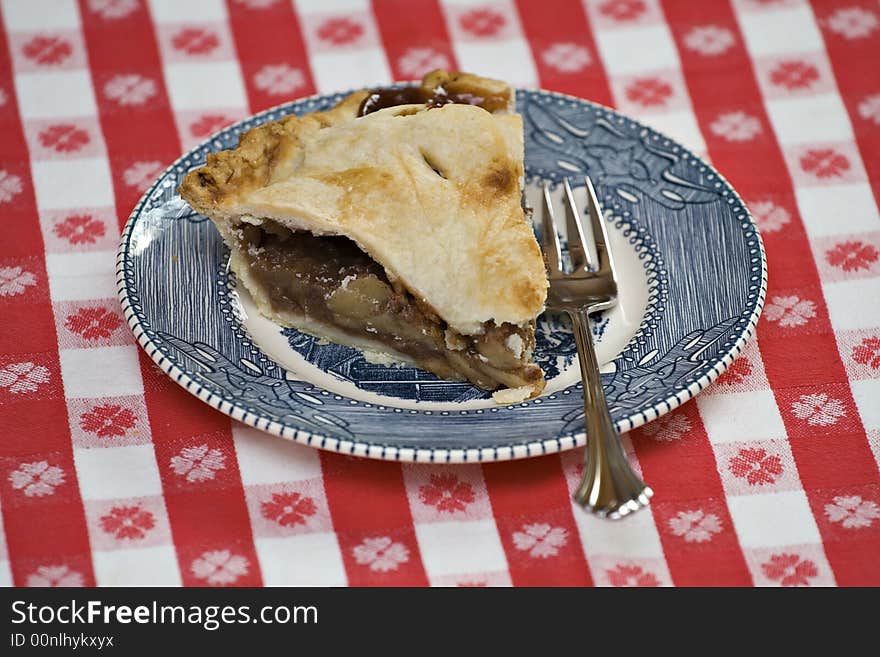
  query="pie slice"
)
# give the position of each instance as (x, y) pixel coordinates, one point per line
(392, 222)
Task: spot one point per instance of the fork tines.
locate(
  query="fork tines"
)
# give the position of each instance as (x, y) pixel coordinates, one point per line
(579, 254)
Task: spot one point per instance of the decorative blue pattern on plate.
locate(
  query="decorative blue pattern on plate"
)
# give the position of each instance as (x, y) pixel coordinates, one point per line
(701, 302)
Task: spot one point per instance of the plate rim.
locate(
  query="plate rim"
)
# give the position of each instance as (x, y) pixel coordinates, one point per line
(524, 449)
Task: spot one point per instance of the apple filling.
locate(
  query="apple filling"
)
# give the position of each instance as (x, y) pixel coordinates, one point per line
(327, 284)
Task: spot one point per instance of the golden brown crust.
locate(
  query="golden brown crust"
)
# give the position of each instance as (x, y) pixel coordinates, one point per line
(431, 195)
(228, 175)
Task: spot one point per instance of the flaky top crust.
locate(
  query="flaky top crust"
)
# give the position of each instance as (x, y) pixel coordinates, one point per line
(434, 196)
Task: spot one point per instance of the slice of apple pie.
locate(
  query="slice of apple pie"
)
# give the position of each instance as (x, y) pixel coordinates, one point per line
(392, 222)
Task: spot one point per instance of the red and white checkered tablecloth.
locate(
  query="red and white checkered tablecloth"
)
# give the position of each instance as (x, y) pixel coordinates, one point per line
(110, 474)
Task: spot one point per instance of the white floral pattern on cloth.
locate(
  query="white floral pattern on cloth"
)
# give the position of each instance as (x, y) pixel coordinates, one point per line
(709, 40)
(10, 186)
(60, 575)
(818, 409)
(25, 377)
(415, 62)
(852, 512)
(566, 57)
(279, 79)
(695, 526)
(853, 22)
(15, 280)
(111, 9)
(37, 479)
(130, 89)
(540, 540)
(140, 174)
(668, 428)
(869, 108)
(381, 554)
(219, 567)
(198, 463)
(769, 216)
(736, 126)
(790, 311)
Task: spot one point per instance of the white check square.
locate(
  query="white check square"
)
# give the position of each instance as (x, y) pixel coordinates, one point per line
(773, 519)
(867, 397)
(80, 183)
(626, 51)
(205, 85)
(790, 29)
(449, 548)
(741, 416)
(493, 59)
(347, 70)
(175, 11)
(40, 95)
(40, 15)
(330, 6)
(117, 472)
(820, 207)
(151, 566)
(301, 560)
(78, 276)
(810, 119)
(101, 372)
(5, 573)
(634, 539)
(264, 459)
(853, 304)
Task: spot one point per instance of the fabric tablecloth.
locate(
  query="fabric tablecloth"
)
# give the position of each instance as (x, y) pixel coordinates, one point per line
(111, 474)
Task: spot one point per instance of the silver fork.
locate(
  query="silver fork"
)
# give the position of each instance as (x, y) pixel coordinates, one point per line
(609, 488)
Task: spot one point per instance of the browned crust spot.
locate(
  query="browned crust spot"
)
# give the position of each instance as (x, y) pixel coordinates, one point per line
(501, 179)
(227, 174)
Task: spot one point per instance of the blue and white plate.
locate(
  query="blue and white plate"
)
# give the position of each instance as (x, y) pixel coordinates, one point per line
(692, 282)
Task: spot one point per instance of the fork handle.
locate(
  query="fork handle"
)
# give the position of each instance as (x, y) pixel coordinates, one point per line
(610, 487)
